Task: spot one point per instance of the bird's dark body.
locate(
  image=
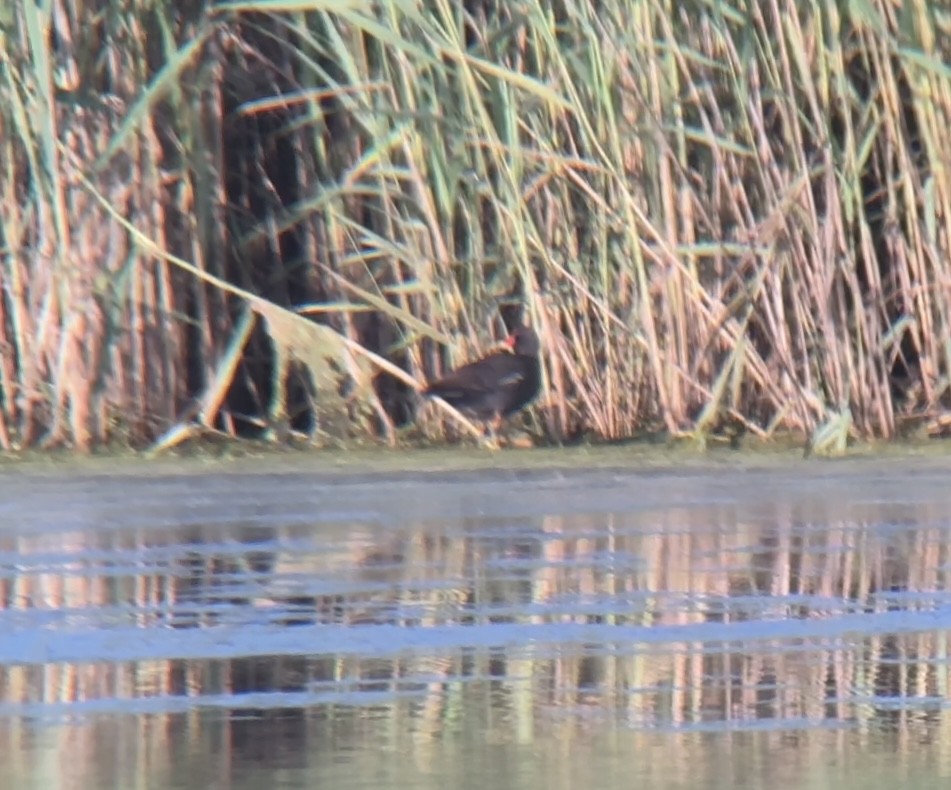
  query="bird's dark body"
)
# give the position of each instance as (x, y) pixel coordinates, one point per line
(497, 385)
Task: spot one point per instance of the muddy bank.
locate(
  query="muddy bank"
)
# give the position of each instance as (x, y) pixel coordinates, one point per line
(252, 458)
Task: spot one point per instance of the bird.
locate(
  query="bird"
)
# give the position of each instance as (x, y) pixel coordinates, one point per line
(495, 386)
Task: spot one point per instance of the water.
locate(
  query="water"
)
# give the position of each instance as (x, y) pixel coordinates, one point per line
(696, 627)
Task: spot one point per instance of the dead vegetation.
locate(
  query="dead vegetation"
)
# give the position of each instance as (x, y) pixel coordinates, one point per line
(719, 218)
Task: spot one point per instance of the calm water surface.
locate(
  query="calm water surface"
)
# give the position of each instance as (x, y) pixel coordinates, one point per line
(782, 627)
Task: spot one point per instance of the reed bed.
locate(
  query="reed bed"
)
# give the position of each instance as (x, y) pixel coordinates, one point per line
(279, 218)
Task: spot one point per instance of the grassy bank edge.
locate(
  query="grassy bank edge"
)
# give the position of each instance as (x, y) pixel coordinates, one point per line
(631, 456)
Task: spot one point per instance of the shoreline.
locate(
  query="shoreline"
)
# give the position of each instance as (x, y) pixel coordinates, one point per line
(248, 457)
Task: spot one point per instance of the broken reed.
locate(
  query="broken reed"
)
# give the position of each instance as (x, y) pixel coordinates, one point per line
(731, 214)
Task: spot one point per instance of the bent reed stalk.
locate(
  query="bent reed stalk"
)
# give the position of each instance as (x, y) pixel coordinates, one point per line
(728, 217)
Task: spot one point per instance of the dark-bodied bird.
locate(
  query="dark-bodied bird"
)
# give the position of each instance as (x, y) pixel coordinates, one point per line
(496, 386)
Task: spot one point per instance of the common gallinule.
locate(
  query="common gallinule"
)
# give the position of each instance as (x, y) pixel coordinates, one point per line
(497, 385)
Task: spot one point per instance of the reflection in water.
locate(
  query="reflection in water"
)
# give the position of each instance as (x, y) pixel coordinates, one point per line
(735, 639)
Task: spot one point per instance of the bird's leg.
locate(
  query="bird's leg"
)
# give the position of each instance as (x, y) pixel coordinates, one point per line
(493, 431)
